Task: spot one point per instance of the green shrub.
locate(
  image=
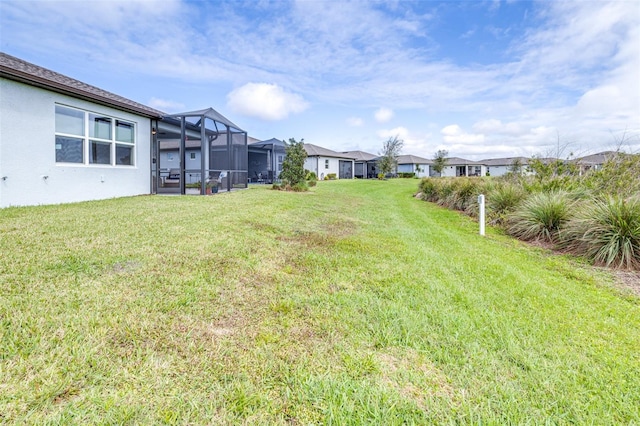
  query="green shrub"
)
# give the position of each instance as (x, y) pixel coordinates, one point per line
(429, 189)
(406, 175)
(464, 194)
(541, 216)
(606, 231)
(309, 175)
(330, 176)
(293, 164)
(503, 199)
(619, 175)
(312, 182)
(445, 189)
(299, 187)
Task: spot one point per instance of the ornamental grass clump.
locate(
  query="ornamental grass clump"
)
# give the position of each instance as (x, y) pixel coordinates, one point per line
(463, 194)
(429, 189)
(606, 231)
(541, 216)
(502, 200)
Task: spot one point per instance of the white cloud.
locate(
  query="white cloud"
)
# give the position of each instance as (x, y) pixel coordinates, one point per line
(383, 115)
(495, 126)
(413, 143)
(266, 101)
(574, 69)
(166, 105)
(454, 134)
(355, 121)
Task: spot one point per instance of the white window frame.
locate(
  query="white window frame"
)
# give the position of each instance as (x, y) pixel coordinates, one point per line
(87, 139)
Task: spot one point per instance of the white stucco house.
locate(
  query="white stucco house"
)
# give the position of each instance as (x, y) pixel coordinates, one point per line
(457, 167)
(501, 166)
(324, 161)
(62, 140)
(414, 164)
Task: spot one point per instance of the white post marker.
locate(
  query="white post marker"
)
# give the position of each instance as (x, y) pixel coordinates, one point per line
(481, 217)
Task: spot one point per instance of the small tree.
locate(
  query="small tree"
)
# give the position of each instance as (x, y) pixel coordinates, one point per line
(293, 164)
(440, 161)
(516, 166)
(389, 155)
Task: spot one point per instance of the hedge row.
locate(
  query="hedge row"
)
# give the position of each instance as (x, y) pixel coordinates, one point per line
(595, 215)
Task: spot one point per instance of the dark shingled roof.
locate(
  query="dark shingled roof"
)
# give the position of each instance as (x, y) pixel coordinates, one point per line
(25, 72)
(318, 151)
(457, 161)
(413, 159)
(360, 155)
(599, 158)
(508, 161)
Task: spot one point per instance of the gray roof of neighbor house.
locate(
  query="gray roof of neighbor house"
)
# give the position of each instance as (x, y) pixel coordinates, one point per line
(16, 69)
(412, 159)
(454, 161)
(504, 161)
(318, 151)
(599, 158)
(360, 155)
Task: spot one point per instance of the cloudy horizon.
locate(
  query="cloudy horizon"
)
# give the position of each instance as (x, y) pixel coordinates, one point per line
(479, 79)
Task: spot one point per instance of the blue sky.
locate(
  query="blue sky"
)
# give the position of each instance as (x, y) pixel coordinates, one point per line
(481, 79)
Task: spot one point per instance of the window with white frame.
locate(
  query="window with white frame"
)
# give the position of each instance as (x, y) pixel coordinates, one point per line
(326, 163)
(84, 137)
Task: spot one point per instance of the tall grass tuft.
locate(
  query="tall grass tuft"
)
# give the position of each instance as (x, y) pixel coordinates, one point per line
(458, 193)
(541, 216)
(502, 200)
(429, 189)
(607, 231)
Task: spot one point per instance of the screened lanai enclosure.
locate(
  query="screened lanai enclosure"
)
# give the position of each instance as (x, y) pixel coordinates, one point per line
(198, 152)
(265, 160)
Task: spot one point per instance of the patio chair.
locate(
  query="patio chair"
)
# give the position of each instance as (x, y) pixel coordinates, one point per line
(173, 180)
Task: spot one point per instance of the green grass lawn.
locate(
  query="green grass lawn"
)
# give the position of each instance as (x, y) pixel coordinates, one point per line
(351, 304)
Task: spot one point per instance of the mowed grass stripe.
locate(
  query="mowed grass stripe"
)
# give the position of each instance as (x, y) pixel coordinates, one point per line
(353, 303)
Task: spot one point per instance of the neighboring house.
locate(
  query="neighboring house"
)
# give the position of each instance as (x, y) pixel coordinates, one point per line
(594, 161)
(461, 167)
(63, 141)
(364, 164)
(324, 161)
(413, 163)
(502, 166)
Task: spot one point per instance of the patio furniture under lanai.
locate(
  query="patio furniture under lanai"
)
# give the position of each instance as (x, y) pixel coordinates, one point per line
(196, 149)
(265, 160)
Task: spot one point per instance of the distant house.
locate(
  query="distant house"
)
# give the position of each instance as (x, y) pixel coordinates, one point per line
(62, 140)
(502, 166)
(457, 167)
(594, 161)
(364, 164)
(324, 161)
(414, 164)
